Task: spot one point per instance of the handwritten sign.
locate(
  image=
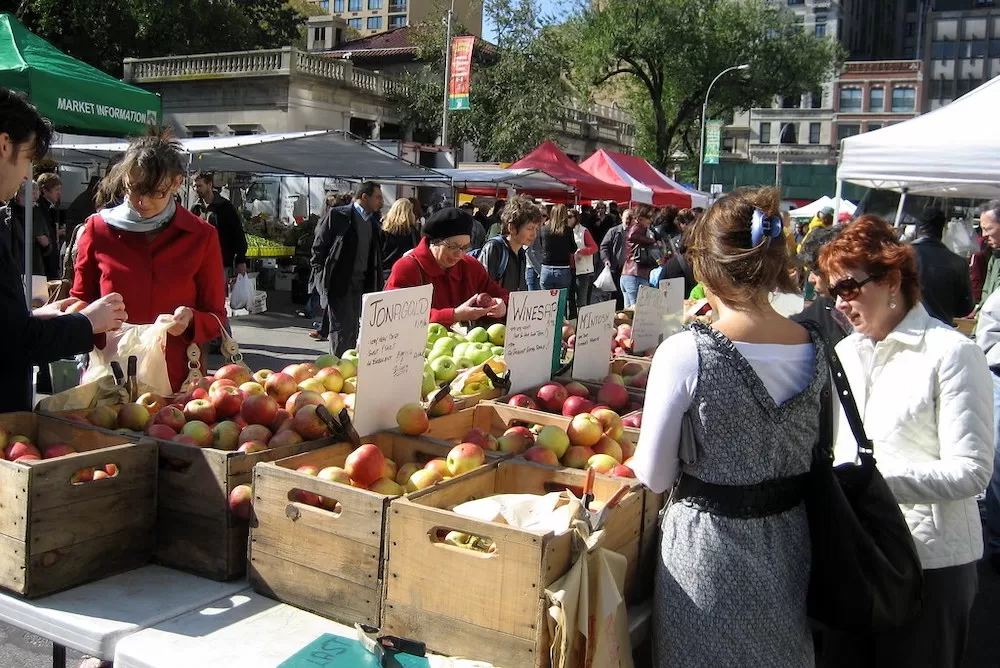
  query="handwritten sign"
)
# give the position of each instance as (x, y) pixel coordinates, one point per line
(595, 328)
(390, 355)
(659, 313)
(531, 319)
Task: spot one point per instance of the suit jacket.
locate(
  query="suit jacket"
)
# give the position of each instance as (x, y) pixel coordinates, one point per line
(335, 245)
(945, 284)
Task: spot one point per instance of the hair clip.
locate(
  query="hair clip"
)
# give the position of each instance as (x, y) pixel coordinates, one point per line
(763, 227)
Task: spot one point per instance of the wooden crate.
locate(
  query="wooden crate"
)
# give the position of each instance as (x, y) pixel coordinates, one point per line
(55, 534)
(489, 607)
(327, 562)
(463, 402)
(510, 414)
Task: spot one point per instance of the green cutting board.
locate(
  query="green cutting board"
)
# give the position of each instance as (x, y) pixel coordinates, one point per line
(333, 651)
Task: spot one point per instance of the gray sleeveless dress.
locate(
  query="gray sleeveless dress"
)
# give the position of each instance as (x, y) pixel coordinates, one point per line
(732, 592)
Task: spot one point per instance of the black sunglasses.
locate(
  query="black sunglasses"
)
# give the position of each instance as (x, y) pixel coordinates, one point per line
(849, 288)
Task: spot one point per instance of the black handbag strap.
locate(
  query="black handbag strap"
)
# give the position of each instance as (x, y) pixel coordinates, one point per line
(865, 446)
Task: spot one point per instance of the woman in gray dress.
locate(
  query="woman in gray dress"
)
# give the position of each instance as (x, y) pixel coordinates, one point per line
(730, 420)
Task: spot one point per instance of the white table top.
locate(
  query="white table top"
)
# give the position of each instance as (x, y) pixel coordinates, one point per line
(94, 617)
(246, 630)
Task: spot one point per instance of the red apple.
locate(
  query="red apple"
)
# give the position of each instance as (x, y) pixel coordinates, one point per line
(412, 419)
(240, 501)
(477, 436)
(585, 429)
(280, 420)
(83, 475)
(440, 465)
(111, 469)
(19, 449)
(154, 403)
(280, 387)
(285, 437)
(259, 409)
(57, 450)
(200, 432)
(308, 424)
(100, 474)
(444, 407)
(577, 457)
(364, 465)
(551, 397)
(633, 421)
(513, 442)
(234, 372)
(250, 447)
(525, 433)
(541, 455)
(611, 422)
(613, 395)
(622, 471)
(226, 436)
(226, 400)
(199, 410)
(575, 405)
(575, 389)
(523, 401)
(605, 446)
(220, 382)
(300, 371)
(255, 432)
(28, 458)
(300, 399)
(465, 457)
(172, 417)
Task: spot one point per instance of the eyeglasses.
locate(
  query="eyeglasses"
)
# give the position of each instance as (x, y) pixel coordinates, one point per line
(455, 247)
(849, 288)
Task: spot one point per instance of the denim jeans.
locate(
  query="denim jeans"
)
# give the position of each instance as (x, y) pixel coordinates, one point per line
(630, 288)
(531, 278)
(556, 278)
(992, 501)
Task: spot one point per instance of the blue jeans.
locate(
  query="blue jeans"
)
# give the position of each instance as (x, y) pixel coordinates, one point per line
(531, 278)
(556, 278)
(992, 501)
(630, 288)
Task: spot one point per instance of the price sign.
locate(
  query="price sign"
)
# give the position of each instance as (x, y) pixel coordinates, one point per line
(532, 317)
(659, 313)
(594, 330)
(390, 355)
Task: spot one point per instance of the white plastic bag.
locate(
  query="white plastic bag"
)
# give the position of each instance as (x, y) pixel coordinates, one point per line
(605, 282)
(242, 293)
(148, 343)
(960, 238)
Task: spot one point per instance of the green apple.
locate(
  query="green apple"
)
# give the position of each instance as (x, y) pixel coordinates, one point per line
(348, 368)
(435, 331)
(461, 349)
(464, 363)
(497, 351)
(436, 353)
(429, 383)
(446, 344)
(351, 355)
(326, 361)
(458, 337)
(497, 334)
(444, 369)
(478, 334)
(427, 368)
(481, 354)
(474, 388)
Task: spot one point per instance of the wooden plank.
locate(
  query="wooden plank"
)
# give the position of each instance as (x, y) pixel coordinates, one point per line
(13, 562)
(322, 551)
(476, 484)
(451, 427)
(21, 424)
(201, 545)
(332, 455)
(14, 501)
(242, 464)
(50, 484)
(83, 437)
(70, 566)
(126, 510)
(303, 587)
(459, 638)
(192, 480)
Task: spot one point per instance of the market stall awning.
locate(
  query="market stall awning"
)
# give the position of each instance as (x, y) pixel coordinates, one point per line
(951, 151)
(810, 210)
(601, 165)
(492, 181)
(320, 153)
(666, 191)
(73, 95)
(550, 159)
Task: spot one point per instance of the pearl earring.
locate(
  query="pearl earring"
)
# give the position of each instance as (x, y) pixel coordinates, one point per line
(892, 303)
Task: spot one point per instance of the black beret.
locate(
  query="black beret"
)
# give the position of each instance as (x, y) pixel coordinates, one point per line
(449, 222)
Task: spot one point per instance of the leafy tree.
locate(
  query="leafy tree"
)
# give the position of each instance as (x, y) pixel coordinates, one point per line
(667, 52)
(104, 32)
(517, 88)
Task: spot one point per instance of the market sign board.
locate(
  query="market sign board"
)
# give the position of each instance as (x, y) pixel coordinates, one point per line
(659, 313)
(595, 327)
(532, 317)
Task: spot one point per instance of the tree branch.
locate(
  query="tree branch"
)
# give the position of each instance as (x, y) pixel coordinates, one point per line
(614, 73)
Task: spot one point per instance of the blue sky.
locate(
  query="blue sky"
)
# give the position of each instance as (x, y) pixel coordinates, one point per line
(548, 7)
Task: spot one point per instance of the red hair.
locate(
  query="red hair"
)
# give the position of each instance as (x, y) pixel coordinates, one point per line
(870, 245)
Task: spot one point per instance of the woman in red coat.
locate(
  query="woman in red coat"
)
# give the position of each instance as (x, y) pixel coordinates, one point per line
(463, 291)
(163, 259)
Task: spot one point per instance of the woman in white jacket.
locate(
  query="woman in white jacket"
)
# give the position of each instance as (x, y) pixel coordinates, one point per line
(925, 394)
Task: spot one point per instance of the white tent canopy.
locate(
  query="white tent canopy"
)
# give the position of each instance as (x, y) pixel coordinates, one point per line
(321, 153)
(951, 151)
(810, 210)
(534, 180)
(698, 198)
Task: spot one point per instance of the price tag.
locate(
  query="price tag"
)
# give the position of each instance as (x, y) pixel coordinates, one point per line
(531, 319)
(595, 328)
(659, 313)
(390, 355)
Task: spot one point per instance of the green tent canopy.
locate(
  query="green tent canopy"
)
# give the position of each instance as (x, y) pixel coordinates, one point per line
(76, 97)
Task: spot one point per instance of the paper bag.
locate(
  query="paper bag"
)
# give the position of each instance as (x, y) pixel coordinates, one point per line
(101, 392)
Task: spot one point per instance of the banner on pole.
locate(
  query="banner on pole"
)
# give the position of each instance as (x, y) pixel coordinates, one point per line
(713, 142)
(460, 74)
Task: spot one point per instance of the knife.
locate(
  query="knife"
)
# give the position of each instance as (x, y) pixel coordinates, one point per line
(498, 382)
(588, 489)
(116, 369)
(332, 424)
(349, 430)
(131, 382)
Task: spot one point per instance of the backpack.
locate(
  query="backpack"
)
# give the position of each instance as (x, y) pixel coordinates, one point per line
(504, 259)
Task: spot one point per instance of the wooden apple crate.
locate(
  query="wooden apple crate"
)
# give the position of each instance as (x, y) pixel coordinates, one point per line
(489, 607)
(541, 417)
(55, 534)
(328, 562)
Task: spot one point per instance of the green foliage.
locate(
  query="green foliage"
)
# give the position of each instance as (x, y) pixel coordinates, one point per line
(669, 51)
(104, 32)
(517, 89)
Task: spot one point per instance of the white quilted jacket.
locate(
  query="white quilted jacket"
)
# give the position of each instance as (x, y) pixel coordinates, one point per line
(926, 397)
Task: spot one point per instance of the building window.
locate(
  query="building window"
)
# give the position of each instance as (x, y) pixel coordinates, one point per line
(324, 5)
(904, 100)
(338, 6)
(397, 21)
(397, 6)
(765, 133)
(789, 133)
(374, 4)
(319, 35)
(911, 29)
(821, 30)
(874, 126)
(847, 130)
(972, 49)
(354, 23)
(354, 5)
(791, 101)
(850, 100)
(943, 50)
(814, 130)
(816, 99)
(876, 99)
(728, 145)
(796, 2)
(995, 47)
(374, 22)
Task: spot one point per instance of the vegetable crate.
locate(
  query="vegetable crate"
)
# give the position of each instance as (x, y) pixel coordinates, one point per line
(489, 605)
(59, 529)
(329, 559)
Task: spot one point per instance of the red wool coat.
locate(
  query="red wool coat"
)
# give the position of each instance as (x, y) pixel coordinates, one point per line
(182, 266)
(452, 287)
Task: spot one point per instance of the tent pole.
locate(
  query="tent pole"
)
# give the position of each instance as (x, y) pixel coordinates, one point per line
(29, 239)
(837, 198)
(899, 209)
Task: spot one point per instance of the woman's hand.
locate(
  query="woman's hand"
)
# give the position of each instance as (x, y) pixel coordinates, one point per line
(182, 318)
(107, 313)
(469, 310)
(498, 310)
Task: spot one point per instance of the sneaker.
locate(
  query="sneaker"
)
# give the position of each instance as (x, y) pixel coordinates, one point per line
(317, 336)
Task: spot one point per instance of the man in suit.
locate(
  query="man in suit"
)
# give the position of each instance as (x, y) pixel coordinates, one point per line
(945, 285)
(47, 333)
(347, 262)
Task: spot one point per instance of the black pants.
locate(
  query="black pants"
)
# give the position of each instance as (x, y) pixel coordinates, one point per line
(344, 313)
(936, 638)
(584, 288)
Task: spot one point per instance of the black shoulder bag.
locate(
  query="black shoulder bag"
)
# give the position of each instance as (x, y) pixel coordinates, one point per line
(865, 575)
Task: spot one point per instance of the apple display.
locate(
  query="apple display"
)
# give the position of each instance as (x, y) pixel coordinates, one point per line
(610, 448)
(234, 372)
(622, 471)
(199, 409)
(465, 457)
(226, 436)
(386, 486)
(405, 471)
(540, 455)
(440, 465)
(280, 387)
(308, 424)
(551, 397)
(300, 371)
(282, 421)
(602, 463)
(585, 430)
(172, 417)
(555, 439)
(252, 388)
(326, 361)
(184, 439)
(20, 449)
(226, 400)
(154, 403)
(250, 447)
(611, 422)
(104, 417)
(614, 396)
(412, 419)
(444, 407)
(628, 449)
(576, 389)
(350, 385)
(200, 432)
(333, 401)
(255, 432)
(285, 437)
(444, 368)
(435, 331)
(300, 399)
(161, 431)
(575, 405)
(522, 401)
(364, 465)
(134, 416)
(348, 367)
(57, 450)
(334, 474)
(577, 457)
(497, 334)
(422, 479)
(262, 375)
(314, 385)
(389, 469)
(259, 409)
(331, 378)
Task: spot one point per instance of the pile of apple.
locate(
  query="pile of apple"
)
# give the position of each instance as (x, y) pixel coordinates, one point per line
(19, 448)
(592, 441)
(574, 398)
(449, 353)
(236, 411)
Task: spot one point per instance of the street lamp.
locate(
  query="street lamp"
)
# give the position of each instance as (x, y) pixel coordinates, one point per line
(704, 118)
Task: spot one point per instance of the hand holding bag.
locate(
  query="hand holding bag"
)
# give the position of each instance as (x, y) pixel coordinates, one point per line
(865, 575)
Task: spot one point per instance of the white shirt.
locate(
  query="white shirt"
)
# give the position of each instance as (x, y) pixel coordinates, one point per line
(786, 370)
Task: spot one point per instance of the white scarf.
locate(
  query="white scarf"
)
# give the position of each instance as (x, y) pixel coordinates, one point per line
(124, 217)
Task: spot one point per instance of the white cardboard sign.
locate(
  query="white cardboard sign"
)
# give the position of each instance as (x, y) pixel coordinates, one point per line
(659, 313)
(390, 355)
(529, 346)
(595, 327)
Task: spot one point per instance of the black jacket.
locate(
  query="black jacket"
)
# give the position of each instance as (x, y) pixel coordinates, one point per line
(831, 323)
(224, 217)
(28, 340)
(613, 248)
(945, 285)
(394, 245)
(334, 246)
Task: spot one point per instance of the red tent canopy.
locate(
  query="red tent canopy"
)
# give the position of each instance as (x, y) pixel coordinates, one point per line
(550, 159)
(664, 192)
